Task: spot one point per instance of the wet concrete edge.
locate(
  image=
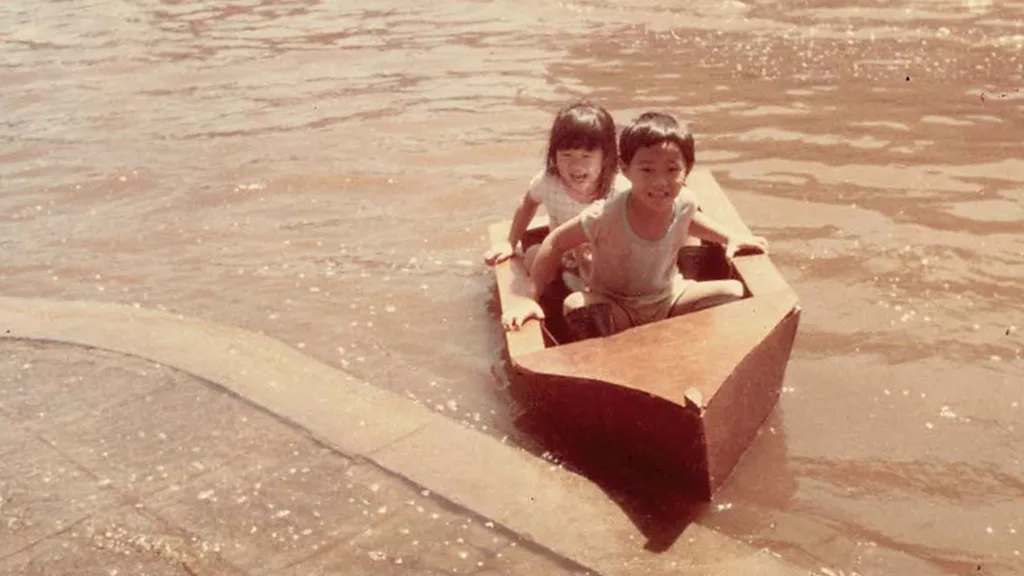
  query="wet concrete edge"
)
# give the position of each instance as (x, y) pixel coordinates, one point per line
(547, 505)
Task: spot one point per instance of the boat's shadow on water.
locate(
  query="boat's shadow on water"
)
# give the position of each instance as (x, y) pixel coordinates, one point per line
(659, 502)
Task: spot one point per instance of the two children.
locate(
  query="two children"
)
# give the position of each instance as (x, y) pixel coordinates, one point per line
(634, 238)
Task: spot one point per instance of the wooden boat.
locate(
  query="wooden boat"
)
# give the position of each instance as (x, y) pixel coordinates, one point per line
(687, 394)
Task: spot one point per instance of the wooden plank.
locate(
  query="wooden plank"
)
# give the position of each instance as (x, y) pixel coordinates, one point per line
(513, 284)
(759, 274)
(714, 202)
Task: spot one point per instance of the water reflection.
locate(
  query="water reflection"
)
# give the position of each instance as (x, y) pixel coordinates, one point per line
(979, 6)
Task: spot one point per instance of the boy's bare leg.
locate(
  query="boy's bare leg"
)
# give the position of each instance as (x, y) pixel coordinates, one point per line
(701, 295)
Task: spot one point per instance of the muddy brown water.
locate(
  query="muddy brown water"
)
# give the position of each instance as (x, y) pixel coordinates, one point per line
(324, 172)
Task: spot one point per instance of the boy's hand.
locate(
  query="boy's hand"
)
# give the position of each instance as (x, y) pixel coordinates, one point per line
(520, 312)
(754, 244)
(499, 253)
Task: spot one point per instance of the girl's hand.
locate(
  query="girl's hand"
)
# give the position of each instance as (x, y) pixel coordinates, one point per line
(499, 253)
(520, 312)
(755, 244)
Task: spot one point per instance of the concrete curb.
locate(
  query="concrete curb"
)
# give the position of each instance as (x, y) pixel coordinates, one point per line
(557, 510)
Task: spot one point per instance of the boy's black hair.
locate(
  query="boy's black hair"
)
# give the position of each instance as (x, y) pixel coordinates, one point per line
(653, 129)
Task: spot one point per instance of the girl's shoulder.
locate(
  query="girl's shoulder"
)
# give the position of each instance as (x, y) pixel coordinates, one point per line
(543, 184)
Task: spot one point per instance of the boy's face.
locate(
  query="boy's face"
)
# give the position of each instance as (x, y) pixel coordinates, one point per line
(657, 173)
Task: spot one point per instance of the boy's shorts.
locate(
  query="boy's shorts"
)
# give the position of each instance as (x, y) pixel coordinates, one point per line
(645, 310)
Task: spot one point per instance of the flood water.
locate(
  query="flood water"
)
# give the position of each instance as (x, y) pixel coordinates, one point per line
(324, 172)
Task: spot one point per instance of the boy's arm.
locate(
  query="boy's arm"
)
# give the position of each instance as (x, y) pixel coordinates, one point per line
(545, 268)
(705, 228)
(524, 214)
(548, 260)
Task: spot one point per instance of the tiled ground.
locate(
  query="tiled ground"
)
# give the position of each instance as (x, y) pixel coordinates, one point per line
(113, 465)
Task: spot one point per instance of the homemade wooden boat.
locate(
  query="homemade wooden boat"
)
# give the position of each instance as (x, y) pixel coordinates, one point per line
(687, 394)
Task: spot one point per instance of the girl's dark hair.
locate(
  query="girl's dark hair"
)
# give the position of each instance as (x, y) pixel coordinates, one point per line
(586, 126)
(653, 129)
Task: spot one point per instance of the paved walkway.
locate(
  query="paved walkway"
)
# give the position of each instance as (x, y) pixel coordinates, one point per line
(115, 465)
(248, 457)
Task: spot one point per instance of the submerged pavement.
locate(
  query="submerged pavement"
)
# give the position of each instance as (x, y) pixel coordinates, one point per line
(139, 442)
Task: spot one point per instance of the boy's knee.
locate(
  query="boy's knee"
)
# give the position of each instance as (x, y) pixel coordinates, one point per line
(587, 318)
(573, 301)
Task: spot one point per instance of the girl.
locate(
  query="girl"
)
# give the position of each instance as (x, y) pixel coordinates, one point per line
(581, 168)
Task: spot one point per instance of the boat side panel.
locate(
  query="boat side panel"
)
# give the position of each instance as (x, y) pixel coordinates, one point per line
(601, 430)
(512, 280)
(759, 274)
(714, 202)
(734, 416)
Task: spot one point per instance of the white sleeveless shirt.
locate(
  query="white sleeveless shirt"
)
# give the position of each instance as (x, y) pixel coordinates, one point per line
(546, 189)
(625, 266)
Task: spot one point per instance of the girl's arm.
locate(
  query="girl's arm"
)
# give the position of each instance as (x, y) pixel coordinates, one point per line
(524, 214)
(521, 220)
(546, 266)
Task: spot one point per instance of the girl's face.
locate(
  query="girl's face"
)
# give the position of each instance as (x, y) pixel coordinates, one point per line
(580, 169)
(657, 174)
